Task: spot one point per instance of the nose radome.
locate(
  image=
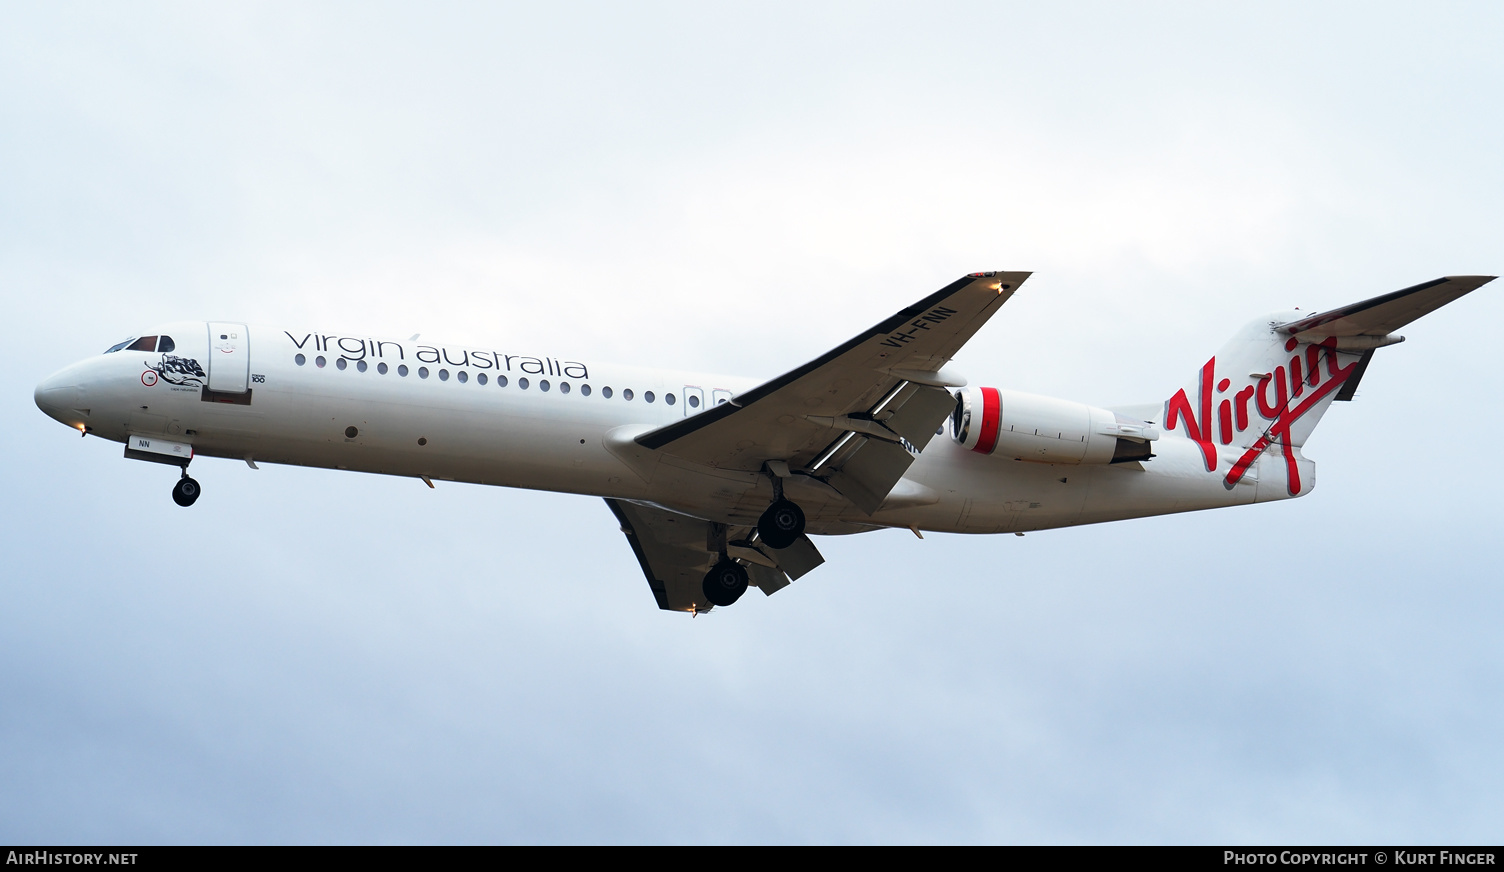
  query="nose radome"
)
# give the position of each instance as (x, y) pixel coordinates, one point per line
(59, 397)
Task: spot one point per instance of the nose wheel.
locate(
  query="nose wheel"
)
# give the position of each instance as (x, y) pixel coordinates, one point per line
(185, 492)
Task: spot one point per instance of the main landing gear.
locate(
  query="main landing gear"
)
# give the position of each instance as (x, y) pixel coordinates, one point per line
(186, 491)
(779, 527)
(783, 523)
(725, 582)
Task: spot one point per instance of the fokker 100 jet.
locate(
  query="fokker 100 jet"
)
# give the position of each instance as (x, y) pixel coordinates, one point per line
(718, 482)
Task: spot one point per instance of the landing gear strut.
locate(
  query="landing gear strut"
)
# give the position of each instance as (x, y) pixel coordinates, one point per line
(725, 582)
(783, 523)
(186, 491)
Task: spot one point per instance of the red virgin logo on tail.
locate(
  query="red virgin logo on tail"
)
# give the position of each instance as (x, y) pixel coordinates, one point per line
(1289, 384)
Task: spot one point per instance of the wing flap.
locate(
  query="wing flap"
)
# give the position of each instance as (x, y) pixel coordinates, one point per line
(869, 472)
(800, 558)
(919, 418)
(767, 579)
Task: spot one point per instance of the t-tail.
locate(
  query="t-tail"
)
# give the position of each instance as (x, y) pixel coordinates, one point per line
(1266, 389)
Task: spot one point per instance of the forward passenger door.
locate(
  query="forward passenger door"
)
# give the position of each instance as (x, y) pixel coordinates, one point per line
(229, 360)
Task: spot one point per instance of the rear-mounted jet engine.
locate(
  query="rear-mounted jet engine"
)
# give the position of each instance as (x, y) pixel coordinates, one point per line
(1024, 426)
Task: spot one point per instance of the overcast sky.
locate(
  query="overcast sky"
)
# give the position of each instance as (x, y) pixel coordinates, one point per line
(320, 656)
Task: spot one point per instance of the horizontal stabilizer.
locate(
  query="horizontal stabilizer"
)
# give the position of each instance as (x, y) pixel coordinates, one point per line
(1383, 315)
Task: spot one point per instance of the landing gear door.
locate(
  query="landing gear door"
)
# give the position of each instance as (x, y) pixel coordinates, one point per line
(229, 358)
(694, 399)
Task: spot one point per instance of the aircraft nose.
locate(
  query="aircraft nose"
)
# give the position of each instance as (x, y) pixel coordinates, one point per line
(60, 397)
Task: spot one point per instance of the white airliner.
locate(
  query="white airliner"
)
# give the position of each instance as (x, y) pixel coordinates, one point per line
(717, 481)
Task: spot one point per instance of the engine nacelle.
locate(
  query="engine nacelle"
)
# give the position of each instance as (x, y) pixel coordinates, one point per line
(1024, 426)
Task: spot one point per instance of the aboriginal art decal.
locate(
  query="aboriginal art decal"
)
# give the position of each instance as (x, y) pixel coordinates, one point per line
(178, 371)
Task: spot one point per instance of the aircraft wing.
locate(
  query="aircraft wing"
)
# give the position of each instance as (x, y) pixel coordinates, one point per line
(856, 416)
(1383, 315)
(675, 551)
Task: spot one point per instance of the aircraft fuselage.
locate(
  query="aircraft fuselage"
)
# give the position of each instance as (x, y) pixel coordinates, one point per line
(493, 417)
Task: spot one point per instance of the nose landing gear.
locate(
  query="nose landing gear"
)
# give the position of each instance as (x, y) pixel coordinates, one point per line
(186, 491)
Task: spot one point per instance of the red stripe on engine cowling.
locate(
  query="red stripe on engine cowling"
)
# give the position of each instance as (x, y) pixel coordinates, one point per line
(992, 404)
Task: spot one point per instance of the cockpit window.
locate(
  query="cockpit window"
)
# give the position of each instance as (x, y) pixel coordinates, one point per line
(145, 343)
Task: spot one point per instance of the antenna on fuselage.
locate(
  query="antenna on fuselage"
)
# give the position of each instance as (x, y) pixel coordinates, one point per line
(414, 337)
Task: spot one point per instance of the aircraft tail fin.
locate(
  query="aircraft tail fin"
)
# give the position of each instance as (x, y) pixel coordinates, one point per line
(1266, 389)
